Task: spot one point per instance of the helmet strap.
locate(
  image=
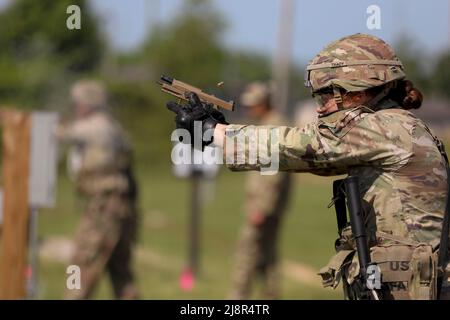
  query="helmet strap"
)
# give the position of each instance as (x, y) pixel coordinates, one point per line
(383, 93)
(338, 97)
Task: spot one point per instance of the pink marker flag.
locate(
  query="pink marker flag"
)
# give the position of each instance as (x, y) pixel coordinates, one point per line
(187, 280)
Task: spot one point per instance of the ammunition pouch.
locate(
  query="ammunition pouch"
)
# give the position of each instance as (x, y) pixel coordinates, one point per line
(332, 273)
(407, 271)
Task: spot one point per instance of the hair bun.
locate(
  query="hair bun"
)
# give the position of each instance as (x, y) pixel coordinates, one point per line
(413, 97)
(404, 94)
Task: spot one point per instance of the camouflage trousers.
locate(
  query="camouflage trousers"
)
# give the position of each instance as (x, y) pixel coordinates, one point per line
(257, 258)
(103, 242)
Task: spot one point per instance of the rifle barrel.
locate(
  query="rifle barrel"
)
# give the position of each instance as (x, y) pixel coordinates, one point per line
(357, 223)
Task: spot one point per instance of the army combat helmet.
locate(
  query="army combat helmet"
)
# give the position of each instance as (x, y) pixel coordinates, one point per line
(354, 63)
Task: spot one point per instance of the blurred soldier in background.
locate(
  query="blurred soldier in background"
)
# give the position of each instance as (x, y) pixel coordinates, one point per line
(99, 163)
(266, 199)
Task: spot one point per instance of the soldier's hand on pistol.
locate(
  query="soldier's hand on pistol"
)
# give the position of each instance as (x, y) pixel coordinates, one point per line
(195, 110)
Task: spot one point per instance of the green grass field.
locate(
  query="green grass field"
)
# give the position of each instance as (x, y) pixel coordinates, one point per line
(307, 238)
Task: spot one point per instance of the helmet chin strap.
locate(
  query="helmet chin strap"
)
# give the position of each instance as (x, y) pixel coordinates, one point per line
(337, 92)
(338, 97)
(383, 93)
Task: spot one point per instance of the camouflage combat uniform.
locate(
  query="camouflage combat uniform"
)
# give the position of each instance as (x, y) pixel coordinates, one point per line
(257, 254)
(399, 162)
(402, 173)
(100, 165)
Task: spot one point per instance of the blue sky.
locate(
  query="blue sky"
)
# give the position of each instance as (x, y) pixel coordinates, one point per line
(252, 24)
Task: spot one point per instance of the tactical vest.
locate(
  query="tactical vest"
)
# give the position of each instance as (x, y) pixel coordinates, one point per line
(409, 269)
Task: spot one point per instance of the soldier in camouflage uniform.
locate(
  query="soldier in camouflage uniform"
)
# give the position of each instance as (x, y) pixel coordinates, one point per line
(100, 164)
(266, 200)
(365, 129)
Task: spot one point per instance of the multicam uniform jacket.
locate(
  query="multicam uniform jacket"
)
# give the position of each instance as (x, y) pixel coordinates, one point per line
(401, 170)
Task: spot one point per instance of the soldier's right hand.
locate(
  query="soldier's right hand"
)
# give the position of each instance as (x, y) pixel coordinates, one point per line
(196, 111)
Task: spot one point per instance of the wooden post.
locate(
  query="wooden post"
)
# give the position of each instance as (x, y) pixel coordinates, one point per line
(15, 168)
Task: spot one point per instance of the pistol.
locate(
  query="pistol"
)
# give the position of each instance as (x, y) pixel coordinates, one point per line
(181, 90)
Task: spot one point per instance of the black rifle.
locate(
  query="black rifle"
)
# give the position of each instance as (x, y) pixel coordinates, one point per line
(349, 189)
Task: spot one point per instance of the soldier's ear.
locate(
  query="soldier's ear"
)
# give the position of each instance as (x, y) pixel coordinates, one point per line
(359, 97)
